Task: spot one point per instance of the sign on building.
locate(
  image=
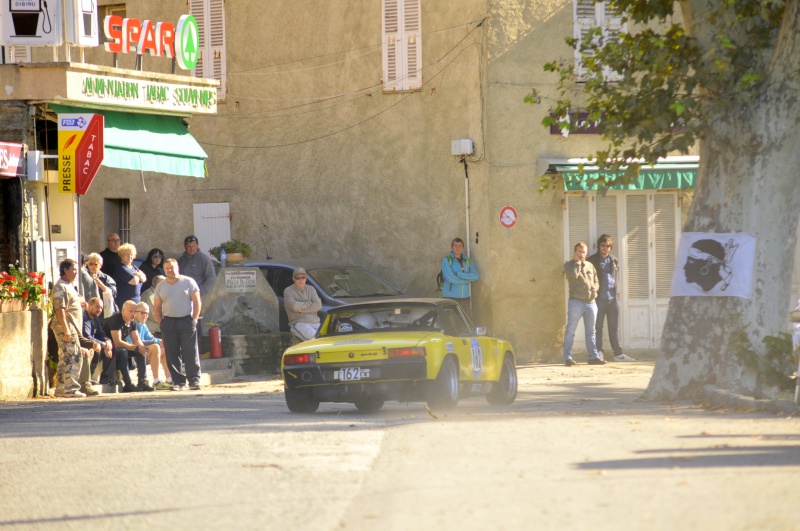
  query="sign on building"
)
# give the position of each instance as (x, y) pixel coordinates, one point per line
(240, 281)
(80, 151)
(11, 160)
(30, 23)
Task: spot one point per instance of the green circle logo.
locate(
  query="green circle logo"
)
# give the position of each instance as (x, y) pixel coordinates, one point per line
(187, 40)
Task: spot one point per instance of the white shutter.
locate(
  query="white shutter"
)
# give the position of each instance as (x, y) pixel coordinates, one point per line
(606, 214)
(636, 240)
(585, 18)
(215, 66)
(212, 224)
(17, 54)
(197, 8)
(391, 38)
(612, 27)
(578, 220)
(412, 39)
(665, 214)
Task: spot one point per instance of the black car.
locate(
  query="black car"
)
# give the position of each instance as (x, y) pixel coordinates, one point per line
(336, 283)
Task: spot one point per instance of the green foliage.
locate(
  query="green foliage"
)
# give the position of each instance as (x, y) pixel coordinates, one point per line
(232, 246)
(776, 366)
(670, 84)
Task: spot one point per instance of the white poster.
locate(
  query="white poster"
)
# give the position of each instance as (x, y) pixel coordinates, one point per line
(714, 265)
(30, 22)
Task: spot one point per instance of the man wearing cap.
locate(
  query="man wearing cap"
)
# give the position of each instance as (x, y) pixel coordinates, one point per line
(196, 264)
(302, 304)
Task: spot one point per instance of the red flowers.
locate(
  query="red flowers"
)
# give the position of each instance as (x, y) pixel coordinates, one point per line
(19, 285)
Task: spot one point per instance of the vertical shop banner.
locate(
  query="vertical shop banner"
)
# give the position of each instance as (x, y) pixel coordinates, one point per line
(80, 151)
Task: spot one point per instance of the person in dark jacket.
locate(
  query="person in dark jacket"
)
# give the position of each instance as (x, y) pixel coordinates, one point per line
(152, 267)
(607, 266)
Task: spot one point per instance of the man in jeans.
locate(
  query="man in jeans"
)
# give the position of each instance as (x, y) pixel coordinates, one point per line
(607, 266)
(177, 307)
(583, 288)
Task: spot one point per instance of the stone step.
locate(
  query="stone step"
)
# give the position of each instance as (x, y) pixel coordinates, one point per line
(210, 364)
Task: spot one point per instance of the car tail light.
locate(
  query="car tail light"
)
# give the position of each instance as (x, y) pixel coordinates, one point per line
(298, 359)
(409, 352)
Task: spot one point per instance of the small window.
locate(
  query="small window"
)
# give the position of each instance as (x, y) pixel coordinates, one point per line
(402, 45)
(588, 15)
(117, 214)
(105, 11)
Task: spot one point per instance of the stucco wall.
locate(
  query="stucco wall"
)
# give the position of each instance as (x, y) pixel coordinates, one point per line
(23, 341)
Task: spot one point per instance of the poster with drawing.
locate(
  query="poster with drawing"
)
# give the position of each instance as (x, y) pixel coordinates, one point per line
(714, 265)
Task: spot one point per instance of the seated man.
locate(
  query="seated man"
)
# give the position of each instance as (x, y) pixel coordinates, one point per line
(93, 331)
(154, 347)
(302, 304)
(119, 326)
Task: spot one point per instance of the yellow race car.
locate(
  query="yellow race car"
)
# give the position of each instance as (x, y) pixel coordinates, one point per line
(409, 350)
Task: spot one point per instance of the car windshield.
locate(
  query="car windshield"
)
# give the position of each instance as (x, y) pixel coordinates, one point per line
(380, 318)
(346, 282)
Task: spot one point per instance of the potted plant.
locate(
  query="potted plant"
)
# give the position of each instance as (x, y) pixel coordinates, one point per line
(235, 249)
(19, 290)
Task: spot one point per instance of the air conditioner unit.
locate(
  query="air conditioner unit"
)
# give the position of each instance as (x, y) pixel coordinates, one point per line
(464, 146)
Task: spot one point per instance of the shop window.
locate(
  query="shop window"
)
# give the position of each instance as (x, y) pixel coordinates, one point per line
(210, 16)
(402, 45)
(117, 218)
(590, 15)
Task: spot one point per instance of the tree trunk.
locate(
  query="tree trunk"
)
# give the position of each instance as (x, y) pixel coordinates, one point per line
(748, 182)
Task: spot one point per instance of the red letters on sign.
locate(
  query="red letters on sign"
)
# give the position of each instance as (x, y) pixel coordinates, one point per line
(123, 34)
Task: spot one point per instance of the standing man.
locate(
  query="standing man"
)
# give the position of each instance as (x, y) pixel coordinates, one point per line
(177, 307)
(197, 265)
(458, 272)
(607, 267)
(302, 304)
(109, 254)
(67, 326)
(583, 288)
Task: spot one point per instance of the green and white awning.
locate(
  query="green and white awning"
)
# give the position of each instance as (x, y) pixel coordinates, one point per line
(147, 142)
(673, 173)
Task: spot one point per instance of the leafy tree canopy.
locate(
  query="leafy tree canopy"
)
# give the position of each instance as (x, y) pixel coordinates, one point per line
(671, 80)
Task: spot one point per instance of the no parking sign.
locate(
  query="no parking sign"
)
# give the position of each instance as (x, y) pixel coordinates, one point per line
(508, 216)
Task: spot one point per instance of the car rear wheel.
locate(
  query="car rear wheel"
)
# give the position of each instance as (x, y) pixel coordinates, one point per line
(504, 392)
(300, 400)
(443, 392)
(369, 403)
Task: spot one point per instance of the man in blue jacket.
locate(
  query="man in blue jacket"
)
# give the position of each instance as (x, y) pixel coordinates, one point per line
(457, 272)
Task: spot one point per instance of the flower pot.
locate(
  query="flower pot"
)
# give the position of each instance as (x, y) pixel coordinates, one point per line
(235, 257)
(5, 306)
(19, 305)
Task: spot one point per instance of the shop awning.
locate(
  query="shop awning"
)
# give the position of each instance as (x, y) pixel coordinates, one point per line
(677, 173)
(147, 142)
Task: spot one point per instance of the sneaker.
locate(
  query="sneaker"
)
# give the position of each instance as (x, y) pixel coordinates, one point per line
(130, 388)
(194, 386)
(176, 387)
(623, 357)
(144, 387)
(162, 386)
(596, 361)
(569, 362)
(72, 394)
(88, 390)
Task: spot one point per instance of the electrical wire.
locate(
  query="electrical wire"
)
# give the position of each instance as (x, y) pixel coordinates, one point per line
(358, 123)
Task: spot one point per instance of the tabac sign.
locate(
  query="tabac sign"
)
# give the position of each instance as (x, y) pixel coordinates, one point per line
(80, 151)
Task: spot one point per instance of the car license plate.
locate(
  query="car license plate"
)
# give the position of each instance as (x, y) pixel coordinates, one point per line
(348, 374)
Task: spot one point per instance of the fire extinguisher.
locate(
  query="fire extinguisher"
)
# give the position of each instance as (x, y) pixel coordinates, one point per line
(215, 337)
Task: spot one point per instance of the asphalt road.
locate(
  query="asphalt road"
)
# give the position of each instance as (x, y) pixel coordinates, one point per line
(578, 450)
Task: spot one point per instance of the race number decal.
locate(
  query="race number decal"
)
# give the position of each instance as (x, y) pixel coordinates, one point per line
(477, 358)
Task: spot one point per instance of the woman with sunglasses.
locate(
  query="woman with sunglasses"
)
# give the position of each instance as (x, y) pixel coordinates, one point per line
(152, 266)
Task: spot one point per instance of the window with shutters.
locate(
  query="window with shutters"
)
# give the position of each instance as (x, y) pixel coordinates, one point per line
(16, 54)
(402, 45)
(590, 15)
(210, 16)
(116, 9)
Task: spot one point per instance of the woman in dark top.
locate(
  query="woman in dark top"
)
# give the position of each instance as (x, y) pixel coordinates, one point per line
(128, 277)
(152, 267)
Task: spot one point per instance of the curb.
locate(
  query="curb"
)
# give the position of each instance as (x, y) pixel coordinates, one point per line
(715, 396)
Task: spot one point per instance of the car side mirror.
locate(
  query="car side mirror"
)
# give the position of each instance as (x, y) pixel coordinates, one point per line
(480, 331)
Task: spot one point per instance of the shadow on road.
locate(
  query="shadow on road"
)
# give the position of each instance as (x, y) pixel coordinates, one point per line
(711, 457)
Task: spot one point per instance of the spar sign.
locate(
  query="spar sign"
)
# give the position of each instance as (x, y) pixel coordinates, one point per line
(160, 39)
(80, 151)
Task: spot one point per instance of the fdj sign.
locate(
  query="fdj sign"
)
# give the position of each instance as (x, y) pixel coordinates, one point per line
(126, 35)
